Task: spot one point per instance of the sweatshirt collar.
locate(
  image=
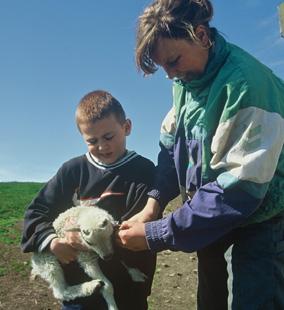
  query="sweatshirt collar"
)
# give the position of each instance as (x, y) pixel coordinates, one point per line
(122, 161)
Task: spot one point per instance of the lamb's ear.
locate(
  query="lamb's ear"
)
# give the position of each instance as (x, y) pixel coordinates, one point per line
(73, 229)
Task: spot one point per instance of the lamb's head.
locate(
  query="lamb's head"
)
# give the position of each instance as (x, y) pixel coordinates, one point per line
(96, 227)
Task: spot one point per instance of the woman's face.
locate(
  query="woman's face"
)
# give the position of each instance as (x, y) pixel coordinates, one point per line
(181, 58)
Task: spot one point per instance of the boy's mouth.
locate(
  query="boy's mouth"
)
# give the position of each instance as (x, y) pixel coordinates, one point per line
(106, 155)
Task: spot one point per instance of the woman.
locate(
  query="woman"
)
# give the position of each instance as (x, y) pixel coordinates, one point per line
(222, 150)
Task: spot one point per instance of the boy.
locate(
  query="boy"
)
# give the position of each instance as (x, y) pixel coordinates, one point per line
(109, 176)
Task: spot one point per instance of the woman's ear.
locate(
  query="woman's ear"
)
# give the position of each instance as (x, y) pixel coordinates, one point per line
(202, 35)
(127, 127)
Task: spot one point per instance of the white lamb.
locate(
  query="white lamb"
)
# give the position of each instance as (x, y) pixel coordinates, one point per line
(96, 228)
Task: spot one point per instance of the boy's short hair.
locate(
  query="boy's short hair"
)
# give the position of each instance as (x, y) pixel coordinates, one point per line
(97, 105)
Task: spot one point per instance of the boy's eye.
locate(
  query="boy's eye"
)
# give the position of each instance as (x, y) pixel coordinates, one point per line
(92, 142)
(108, 138)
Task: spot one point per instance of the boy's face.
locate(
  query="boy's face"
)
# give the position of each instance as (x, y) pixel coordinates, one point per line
(106, 138)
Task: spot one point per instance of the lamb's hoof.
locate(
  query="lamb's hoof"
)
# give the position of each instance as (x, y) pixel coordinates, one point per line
(92, 287)
(33, 276)
(99, 286)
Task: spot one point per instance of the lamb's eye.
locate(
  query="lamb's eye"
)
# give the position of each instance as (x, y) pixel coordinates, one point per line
(86, 232)
(104, 223)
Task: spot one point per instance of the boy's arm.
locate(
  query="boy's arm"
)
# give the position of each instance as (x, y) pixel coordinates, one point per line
(140, 174)
(164, 183)
(37, 229)
(165, 187)
(55, 197)
(150, 212)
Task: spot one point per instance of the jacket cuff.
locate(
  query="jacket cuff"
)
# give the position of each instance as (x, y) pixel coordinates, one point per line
(154, 236)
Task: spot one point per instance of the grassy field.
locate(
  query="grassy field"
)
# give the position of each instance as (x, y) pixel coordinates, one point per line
(14, 197)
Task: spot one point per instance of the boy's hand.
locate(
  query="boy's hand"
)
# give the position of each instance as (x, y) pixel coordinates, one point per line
(141, 217)
(148, 214)
(74, 240)
(72, 234)
(63, 251)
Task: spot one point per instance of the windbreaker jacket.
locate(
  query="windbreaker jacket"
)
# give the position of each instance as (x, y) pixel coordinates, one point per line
(222, 149)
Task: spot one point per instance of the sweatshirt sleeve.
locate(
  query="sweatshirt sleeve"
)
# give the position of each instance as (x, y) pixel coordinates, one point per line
(246, 152)
(142, 171)
(54, 198)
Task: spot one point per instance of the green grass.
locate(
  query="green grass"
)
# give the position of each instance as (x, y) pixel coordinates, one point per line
(14, 197)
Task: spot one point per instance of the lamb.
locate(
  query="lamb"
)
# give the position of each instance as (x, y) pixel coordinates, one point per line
(96, 227)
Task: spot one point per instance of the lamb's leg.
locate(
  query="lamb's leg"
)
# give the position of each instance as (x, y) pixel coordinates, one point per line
(135, 274)
(82, 290)
(47, 267)
(89, 262)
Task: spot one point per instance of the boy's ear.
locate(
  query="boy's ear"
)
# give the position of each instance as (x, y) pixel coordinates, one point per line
(128, 126)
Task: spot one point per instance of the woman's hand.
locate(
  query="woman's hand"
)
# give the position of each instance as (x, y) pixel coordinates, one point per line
(131, 235)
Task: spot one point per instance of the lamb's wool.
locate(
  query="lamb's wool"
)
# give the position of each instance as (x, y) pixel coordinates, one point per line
(96, 228)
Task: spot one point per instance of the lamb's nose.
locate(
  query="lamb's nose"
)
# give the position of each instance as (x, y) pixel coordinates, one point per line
(107, 257)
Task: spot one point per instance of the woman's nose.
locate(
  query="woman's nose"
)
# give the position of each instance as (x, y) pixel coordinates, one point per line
(170, 74)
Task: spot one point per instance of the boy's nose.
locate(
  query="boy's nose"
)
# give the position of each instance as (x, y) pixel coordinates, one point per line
(102, 146)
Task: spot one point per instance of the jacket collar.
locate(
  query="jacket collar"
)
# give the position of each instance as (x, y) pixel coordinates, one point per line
(217, 56)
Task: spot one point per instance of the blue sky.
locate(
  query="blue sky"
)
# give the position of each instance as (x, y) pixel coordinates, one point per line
(55, 51)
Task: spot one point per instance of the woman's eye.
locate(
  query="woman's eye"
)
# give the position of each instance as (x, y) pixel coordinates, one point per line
(174, 62)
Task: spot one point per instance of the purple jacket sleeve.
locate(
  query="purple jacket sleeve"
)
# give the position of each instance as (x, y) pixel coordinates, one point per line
(208, 216)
